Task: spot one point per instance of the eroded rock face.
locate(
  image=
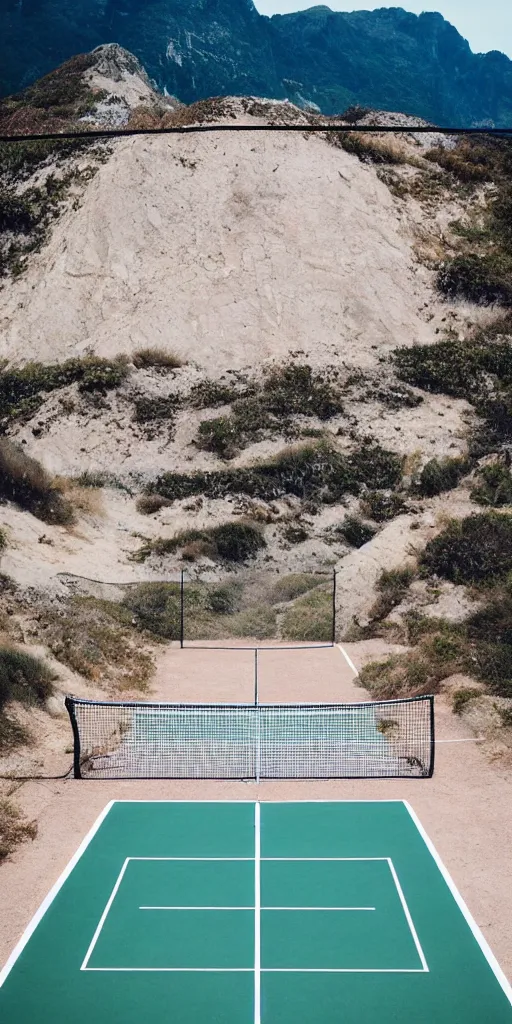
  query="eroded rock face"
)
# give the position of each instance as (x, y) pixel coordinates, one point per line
(386, 59)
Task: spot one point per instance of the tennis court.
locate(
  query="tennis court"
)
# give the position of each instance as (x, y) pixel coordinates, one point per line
(241, 913)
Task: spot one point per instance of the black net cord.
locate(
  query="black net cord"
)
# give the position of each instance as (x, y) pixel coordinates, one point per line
(70, 705)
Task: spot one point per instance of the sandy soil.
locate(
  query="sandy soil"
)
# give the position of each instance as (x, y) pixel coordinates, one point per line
(466, 807)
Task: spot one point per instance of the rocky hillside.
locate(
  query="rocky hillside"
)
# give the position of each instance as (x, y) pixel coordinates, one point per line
(385, 59)
(254, 357)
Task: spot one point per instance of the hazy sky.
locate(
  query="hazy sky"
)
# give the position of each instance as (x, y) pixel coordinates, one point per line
(486, 24)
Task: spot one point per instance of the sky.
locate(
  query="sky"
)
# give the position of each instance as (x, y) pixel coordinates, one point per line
(486, 24)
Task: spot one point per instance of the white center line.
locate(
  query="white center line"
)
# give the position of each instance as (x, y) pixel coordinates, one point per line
(257, 909)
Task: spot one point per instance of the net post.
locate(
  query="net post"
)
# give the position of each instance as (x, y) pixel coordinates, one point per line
(182, 609)
(333, 635)
(432, 738)
(70, 706)
(256, 685)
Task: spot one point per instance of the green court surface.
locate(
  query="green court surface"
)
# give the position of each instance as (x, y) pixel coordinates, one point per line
(243, 913)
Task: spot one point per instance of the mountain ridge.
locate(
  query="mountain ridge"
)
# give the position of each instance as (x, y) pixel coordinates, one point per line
(384, 59)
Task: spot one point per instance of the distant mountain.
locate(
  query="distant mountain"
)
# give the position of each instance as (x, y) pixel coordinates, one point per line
(387, 58)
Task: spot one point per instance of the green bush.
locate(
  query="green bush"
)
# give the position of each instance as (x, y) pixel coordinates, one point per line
(156, 607)
(16, 214)
(313, 471)
(383, 507)
(22, 390)
(493, 486)
(440, 475)
(230, 542)
(3, 541)
(477, 549)
(447, 368)
(24, 481)
(481, 279)
(209, 394)
(24, 678)
(355, 531)
(219, 435)
(462, 697)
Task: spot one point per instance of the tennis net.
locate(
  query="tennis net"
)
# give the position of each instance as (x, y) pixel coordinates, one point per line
(121, 740)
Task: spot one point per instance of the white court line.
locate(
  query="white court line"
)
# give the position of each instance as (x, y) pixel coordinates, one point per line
(101, 921)
(348, 660)
(199, 908)
(482, 942)
(257, 914)
(38, 916)
(407, 913)
(252, 909)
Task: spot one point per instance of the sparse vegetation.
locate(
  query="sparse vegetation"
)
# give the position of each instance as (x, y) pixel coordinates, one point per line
(153, 412)
(285, 391)
(309, 619)
(392, 586)
(22, 389)
(439, 475)
(14, 828)
(311, 471)
(27, 680)
(294, 585)
(371, 149)
(24, 481)
(230, 542)
(96, 638)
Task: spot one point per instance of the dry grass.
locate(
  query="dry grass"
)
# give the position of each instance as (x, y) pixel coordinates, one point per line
(159, 357)
(310, 618)
(24, 481)
(147, 504)
(97, 639)
(85, 500)
(14, 828)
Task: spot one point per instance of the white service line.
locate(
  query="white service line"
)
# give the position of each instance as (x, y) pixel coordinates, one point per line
(257, 915)
(348, 659)
(101, 921)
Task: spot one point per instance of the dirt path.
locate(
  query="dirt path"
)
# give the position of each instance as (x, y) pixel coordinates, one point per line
(466, 808)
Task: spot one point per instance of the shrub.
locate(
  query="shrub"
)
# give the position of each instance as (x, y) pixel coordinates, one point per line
(21, 390)
(14, 828)
(462, 697)
(493, 485)
(147, 504)
(24, 678)
(354, 114)
(448, 368)
(3, 541)
(477, 549)
(440, 475)
(355, 531)
(383, 507)
(295, 533)
(312, 471)
(392, 586)
(230, 542)
(481, 279)
(219, 435)
(156, 357)
(157, 608)
(24, 481)
(149, 408)
(209, 394)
